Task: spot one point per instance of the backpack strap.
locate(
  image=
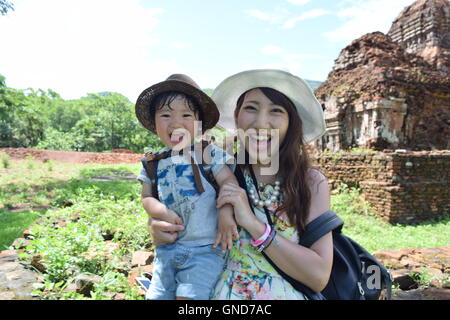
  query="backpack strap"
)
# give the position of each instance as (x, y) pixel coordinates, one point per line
(150, 164)
(308, 292)
(241, 180)
(319, 227)
(197, 179)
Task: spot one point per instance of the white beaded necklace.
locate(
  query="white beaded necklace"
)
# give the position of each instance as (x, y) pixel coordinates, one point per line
(266, 195)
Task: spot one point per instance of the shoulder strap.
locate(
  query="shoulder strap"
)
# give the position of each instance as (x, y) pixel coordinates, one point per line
(207, 174)
(319, 227)
(151, 167)
(296, 284)
(150, 164)
(241, 180)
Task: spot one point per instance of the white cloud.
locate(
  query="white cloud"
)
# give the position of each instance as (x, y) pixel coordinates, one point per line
(283, 17)
(289, 24)
(299, 2)
(298, 61)
(280, 59)
(271, 65)
(271, 50)
(361, 17)
(275, 17)
(180, 45)
(258, 14)
(80, 46)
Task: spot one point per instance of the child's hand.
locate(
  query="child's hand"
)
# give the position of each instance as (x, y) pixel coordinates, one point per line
(227, 229)
(163, 232)
(173, 217)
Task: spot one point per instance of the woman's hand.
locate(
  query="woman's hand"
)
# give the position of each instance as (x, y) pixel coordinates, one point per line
(163, 232)
(237, 197)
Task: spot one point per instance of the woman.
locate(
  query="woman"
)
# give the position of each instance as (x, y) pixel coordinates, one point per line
(275, 113)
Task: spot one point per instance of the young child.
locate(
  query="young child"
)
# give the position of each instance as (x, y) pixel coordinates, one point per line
(190, 267)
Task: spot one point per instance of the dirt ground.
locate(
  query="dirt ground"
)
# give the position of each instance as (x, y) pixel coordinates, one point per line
(73, 156)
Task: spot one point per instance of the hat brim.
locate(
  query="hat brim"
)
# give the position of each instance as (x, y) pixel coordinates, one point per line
(298, 91)
(206, 104)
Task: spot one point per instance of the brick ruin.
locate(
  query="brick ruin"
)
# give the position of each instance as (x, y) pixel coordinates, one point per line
(390, 92)
(424, 29)
(401, 187)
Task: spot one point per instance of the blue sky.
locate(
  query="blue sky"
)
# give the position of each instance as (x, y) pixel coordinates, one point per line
(75, 47)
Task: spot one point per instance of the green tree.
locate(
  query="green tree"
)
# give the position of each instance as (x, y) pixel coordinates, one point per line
(109, 122)
(5, 6)
(21, 120)
(97, 122)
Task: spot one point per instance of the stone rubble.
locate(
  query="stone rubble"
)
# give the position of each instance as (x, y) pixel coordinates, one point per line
(18, 279)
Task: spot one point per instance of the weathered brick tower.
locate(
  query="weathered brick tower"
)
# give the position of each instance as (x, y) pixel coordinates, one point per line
(424, 29)
(393, 91)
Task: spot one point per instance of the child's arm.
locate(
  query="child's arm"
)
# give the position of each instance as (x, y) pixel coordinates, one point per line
(227, 229)
(156, 209)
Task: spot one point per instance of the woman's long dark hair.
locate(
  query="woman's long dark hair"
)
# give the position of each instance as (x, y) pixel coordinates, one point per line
(294, 162)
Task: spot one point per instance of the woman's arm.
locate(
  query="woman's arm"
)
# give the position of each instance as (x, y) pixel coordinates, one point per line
(311, 266)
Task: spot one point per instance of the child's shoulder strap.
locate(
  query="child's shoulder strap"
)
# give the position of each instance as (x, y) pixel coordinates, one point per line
(207, 173)
(150, 164)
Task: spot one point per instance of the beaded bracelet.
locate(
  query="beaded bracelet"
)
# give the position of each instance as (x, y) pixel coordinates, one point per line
(268, 241)
(263, 237)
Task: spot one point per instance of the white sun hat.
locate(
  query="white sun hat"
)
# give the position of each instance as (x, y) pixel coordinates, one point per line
(297, 90)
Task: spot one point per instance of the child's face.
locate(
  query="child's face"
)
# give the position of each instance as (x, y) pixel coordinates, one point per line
(175, 124)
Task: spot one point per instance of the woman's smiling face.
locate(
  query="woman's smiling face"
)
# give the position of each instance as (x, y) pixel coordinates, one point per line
(262, 126)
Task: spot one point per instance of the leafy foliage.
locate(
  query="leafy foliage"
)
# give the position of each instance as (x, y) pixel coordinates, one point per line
(96, 123)
(93, 227)
(5, 6)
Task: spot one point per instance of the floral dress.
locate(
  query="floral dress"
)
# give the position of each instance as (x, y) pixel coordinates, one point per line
(247, 274)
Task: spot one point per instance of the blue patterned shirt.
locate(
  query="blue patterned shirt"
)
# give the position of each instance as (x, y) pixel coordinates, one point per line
(176, 189)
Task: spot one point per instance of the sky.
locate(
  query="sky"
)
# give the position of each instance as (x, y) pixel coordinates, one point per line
(75, 47)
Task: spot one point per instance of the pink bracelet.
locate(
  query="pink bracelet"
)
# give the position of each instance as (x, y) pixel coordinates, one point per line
(262, 238)
(268, 241)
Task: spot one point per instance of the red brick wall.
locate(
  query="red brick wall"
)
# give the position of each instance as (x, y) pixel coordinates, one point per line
(401, 187)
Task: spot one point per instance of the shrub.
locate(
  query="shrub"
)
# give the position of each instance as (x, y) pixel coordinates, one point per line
(5, 160)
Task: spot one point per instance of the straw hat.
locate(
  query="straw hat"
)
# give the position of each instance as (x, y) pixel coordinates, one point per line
(298, 91)
(181, 83)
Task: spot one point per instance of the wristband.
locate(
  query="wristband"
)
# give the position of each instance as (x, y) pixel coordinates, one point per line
(271, 240)
(263, 237)
(268, 241)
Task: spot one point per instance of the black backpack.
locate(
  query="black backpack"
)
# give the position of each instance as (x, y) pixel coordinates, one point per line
(355, 275)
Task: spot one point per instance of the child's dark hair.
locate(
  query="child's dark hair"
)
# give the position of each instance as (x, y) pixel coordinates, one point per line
(166, 98)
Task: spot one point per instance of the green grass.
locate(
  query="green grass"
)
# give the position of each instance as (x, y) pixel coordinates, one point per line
(376, 235)
(42, 184)
(111, 210)
(97, 211)
(12, 225)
